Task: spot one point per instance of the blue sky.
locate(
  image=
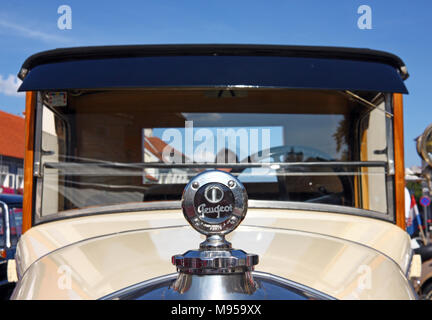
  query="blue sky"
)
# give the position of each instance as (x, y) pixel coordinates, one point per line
(400, 27)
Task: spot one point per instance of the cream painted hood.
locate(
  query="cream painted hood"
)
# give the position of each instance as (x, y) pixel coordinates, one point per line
(344, 256)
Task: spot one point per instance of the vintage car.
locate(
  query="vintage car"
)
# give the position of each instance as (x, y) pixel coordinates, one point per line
(424, 284)
(10, 224)
(10, 231)
(142, 161)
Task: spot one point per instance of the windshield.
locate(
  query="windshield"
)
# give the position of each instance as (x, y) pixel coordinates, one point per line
(15, 223)
(285, 146)
(2, 229)
(15, 220)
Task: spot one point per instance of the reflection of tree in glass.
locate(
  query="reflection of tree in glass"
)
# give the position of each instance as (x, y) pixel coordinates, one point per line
(342, 137)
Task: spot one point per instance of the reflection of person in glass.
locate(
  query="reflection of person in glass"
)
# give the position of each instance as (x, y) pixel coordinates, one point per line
(293, 156)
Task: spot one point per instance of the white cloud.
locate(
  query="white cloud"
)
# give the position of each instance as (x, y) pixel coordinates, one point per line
(31, 33)
(10, 85)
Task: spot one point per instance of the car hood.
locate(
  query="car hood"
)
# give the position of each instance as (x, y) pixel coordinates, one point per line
(346, 257)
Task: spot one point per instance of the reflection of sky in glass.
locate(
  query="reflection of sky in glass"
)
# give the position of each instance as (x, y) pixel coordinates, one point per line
(311, 131)
(241, 151)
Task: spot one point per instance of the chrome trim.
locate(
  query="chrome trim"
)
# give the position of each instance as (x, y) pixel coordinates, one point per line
(216, 261)
(37, 168)
(233, 286)
(78, 167)
(176, 205)
(38, 199)
(215, 242)
(255, 274)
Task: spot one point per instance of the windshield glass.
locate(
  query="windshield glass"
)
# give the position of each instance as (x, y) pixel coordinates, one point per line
(2, 229)
(15, 219)
(116, 147)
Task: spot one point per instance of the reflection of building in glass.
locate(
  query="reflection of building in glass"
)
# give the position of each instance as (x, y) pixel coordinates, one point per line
(11, 153)
(156, 150)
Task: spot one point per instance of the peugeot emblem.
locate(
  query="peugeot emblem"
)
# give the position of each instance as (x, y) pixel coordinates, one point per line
(214, 202)
(213, 194)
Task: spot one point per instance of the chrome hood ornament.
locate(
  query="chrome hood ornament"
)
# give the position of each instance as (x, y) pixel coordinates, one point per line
(215, 203)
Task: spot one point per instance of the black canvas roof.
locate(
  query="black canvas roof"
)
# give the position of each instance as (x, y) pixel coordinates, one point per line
(327, 58)
(100, 52)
